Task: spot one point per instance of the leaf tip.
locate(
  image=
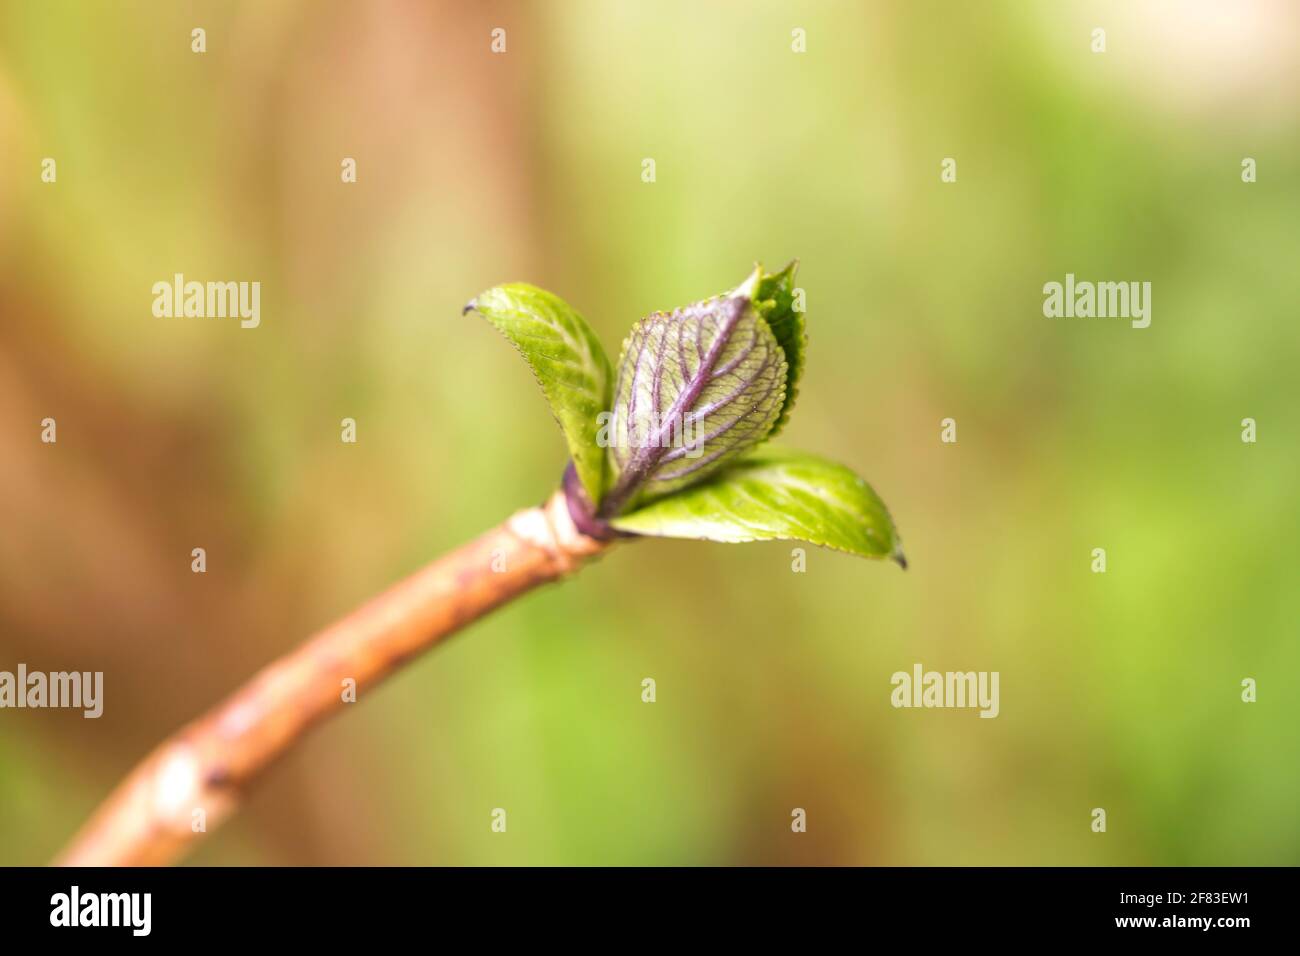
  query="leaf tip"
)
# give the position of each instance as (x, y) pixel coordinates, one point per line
(749, 287)
(470, 306)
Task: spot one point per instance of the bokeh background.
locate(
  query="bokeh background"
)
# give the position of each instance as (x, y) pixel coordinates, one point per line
(1119, 691)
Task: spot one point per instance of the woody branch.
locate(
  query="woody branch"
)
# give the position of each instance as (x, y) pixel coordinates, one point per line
(148, 820)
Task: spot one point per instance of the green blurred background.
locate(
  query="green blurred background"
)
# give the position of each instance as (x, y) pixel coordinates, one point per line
(1118, 690)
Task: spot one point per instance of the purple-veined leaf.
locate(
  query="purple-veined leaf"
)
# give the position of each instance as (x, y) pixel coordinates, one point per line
(696, 387)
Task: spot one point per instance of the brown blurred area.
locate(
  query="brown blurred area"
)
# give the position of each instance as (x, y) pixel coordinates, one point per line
(94, 556)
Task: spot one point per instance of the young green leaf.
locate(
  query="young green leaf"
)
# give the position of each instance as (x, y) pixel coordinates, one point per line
(568, 362)
(697, 387)
(776, 494)
(774, 297)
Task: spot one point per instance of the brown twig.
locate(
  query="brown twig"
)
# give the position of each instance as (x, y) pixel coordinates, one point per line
(151, 819)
